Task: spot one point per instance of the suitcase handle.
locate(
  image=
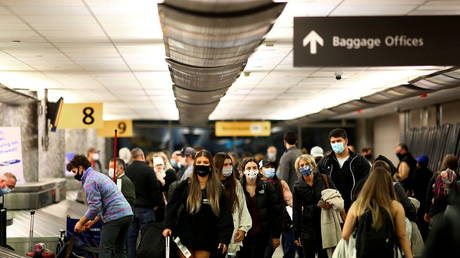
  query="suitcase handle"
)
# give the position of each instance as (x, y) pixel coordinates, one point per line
(31, 230)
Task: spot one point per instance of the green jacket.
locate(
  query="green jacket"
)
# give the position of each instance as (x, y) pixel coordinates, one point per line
(128, 190)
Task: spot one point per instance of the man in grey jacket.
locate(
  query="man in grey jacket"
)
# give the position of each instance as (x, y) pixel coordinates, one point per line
(286, 168)
(286, 172)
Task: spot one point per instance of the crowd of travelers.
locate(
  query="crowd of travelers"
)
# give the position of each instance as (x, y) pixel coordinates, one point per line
(335, 204)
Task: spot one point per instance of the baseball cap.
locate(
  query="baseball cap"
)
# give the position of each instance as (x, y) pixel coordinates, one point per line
(188, 151)
(317, 152)
(266, 163)
(422, 159)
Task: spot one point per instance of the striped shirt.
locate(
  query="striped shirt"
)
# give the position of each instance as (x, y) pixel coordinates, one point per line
(103, 197)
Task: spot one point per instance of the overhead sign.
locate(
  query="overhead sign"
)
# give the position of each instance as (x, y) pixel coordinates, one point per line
(81, 116)
(11, 152)
(124, 128)
(376, 41)
(243, 128)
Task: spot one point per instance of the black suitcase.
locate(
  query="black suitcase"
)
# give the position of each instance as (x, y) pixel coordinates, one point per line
(153, 244)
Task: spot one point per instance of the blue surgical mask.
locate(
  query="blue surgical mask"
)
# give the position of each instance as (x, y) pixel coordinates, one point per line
(269, 172)
(6, 190)
(305, 171)
(173, 162)
(338, 147)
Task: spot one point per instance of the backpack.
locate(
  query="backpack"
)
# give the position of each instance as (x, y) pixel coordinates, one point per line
(444, 184)
(371, 242)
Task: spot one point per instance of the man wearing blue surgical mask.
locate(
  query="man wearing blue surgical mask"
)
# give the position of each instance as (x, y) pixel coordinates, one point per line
(7, 183)
(344, 167)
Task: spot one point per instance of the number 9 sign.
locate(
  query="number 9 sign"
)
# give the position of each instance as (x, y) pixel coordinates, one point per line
(124, 128)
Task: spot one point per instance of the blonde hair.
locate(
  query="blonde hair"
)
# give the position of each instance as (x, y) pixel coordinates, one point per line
(165, 159)
(377, 194)
(213, 187)
(309, 159)
(149, 159)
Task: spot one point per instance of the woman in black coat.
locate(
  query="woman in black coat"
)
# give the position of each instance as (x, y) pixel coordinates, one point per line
(306, 213)
(197, 211)
(263, 205)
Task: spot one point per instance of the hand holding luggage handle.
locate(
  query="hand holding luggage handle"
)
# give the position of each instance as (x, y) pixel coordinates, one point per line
(167, 246)
(31, 232)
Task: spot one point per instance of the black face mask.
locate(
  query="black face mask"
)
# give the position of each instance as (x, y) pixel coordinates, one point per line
(400, 156)
(203, 170)
(368, 156)
(78, 176)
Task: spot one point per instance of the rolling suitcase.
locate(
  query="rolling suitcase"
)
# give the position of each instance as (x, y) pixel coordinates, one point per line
(38, 250)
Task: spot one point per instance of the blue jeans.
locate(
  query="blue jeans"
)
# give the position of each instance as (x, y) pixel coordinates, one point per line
(142, 217)
(287, 243)
(289, 248)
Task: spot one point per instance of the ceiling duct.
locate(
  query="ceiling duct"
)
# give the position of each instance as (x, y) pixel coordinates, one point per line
(204, 79)
(426, 84)
(208, 43)
(198, 97)
(13, 97)
(438, 81)
(393, 94)
(210, 40)
(217, 6)
(351, 106)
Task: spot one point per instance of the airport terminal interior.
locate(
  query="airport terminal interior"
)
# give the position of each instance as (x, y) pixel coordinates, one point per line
(97, 76)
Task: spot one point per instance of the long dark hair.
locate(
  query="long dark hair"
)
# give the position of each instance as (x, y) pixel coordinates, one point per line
(213, 187)
(229, 182)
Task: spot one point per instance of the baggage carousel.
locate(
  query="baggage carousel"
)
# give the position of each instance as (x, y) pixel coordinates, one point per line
(48, 222)
(5, 253)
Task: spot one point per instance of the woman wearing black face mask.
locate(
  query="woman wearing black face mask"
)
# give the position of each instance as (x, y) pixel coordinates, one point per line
(197, 211)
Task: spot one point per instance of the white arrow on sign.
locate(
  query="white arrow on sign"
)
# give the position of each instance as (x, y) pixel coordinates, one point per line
(313, 38)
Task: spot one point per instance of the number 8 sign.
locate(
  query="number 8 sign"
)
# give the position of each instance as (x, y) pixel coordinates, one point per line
(81, 116)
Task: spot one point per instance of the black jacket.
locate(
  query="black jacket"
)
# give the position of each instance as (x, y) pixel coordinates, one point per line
(409, 208)
(355, 168)
(268, 206)
(148, 188)
(421, 179)
(432, 206)
(306, 213)
(408, 183)
(170, 177)
(444, 239)
(202, 230)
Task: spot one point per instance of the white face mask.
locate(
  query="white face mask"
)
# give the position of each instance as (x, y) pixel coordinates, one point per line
(111, 172)
(95, 156)
(227, 171)
(251, 174)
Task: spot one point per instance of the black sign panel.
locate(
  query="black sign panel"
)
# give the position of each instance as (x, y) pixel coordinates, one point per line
(377, 41)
